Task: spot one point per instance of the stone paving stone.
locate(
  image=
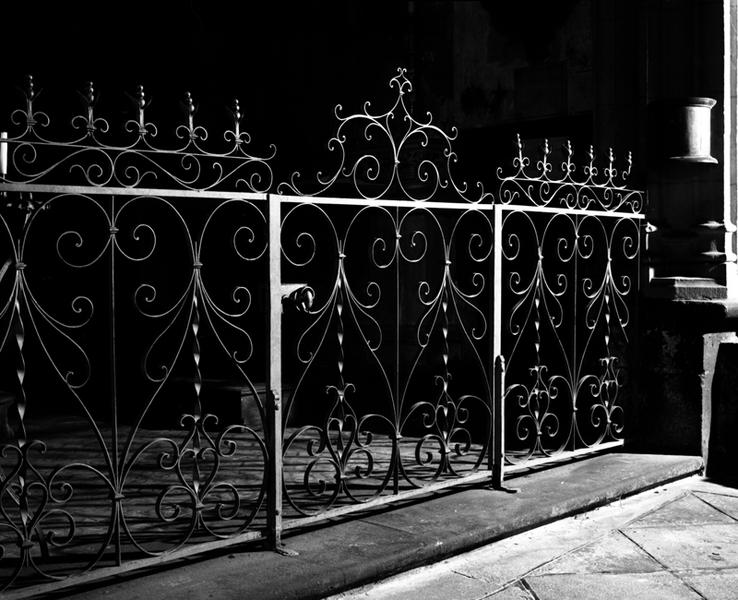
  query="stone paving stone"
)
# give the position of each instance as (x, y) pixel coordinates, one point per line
(688, 510)
(705, 485)
(728, 504)
(512, 558)
(509, 559)
(714, 585)
(610, 586)
(690, 547)
(614, 553)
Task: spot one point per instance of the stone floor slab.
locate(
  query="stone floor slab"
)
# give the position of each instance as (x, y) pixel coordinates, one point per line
(514, 557)
(688, 510)
(614, 553)
(717, 585)
(715, 487)
(725, 503)
(690, 547)
(610, 586)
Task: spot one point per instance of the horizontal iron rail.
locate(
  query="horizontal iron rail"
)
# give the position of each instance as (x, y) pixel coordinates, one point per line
(439, 204)
(477, 477)
(87, 190)
(286, 199)
(562, 457)
(585, 212)
(385, 202)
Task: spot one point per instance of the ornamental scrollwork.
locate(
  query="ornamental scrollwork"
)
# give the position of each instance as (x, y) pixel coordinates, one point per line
(391, 154)
(97, 156)
(538, 183)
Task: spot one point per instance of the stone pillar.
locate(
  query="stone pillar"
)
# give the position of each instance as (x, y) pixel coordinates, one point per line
(677, 398)
(692, 243)
(720, 444)
(654, 59)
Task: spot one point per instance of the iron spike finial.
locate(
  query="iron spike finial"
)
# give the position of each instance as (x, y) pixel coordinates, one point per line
(190, 104)
(519, 144)
(90, 93)
(236, 111)
(31, 94)
(567, 166)
(30, 88)
(141, 103)
(88, 97)
(190, 107)
(140, 97)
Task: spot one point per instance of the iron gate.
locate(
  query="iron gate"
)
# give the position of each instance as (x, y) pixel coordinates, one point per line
(193, 357)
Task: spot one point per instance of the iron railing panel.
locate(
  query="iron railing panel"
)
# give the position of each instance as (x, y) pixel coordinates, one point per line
(387, 370)
(134, 355)
(569, 273)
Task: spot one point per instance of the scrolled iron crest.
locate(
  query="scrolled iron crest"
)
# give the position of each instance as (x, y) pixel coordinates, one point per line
(400, 157)
(138, 162)
(539, 185)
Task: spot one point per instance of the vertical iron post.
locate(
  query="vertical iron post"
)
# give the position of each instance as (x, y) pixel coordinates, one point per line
(112, 332)
(497, 457)
(575, 359)
(274, 373)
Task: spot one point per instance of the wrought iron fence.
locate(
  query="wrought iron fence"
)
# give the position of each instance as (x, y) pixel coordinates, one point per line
(569, 261)
(194, 357)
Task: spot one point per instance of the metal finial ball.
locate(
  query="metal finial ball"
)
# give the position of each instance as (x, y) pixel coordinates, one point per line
(190, 102)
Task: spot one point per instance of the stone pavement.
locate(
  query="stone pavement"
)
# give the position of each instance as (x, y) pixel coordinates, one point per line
(377, 544)
(678, 541)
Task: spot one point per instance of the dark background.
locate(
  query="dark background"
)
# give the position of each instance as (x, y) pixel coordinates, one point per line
(491, 68)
